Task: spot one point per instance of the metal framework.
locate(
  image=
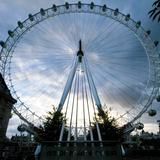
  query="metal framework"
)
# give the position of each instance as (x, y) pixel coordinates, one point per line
(23, 27)
(82, 69)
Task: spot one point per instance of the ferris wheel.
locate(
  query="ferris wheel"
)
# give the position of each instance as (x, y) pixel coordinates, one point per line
(40, 52)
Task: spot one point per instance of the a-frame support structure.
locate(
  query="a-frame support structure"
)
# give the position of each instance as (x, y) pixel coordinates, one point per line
(80, 62)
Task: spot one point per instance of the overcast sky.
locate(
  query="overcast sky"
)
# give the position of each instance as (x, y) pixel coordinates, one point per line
(13, 10)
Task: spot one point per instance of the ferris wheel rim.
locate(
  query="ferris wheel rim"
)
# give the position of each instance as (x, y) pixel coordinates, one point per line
(44, 14)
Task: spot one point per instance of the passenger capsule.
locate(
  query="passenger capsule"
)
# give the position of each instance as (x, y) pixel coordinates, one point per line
(156, 43)
(79, 5)
(42, 11)
(21, 128)
(139, 126)
(31, 18)
(104, 8)
(67, 5)
(10, 33)
(20, 24)
(127, 17)
(138, 24)
(148, 32)
(3, 45)
(91, 5)
(158, 98)
(116, 12)
(54, 8)
(152, 112)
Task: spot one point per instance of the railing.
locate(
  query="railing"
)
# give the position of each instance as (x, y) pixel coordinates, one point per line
(82, 150)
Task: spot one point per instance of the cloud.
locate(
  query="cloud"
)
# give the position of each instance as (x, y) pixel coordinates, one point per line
(13, 124)
(35, 75)
(151, 127)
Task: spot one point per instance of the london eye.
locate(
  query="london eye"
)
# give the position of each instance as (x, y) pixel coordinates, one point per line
(75, 56)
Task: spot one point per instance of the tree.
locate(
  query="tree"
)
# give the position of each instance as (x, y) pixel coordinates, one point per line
(108, 127)
(155, 12)
(50, 131)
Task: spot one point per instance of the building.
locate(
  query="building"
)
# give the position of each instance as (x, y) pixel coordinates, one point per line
(6, 104)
